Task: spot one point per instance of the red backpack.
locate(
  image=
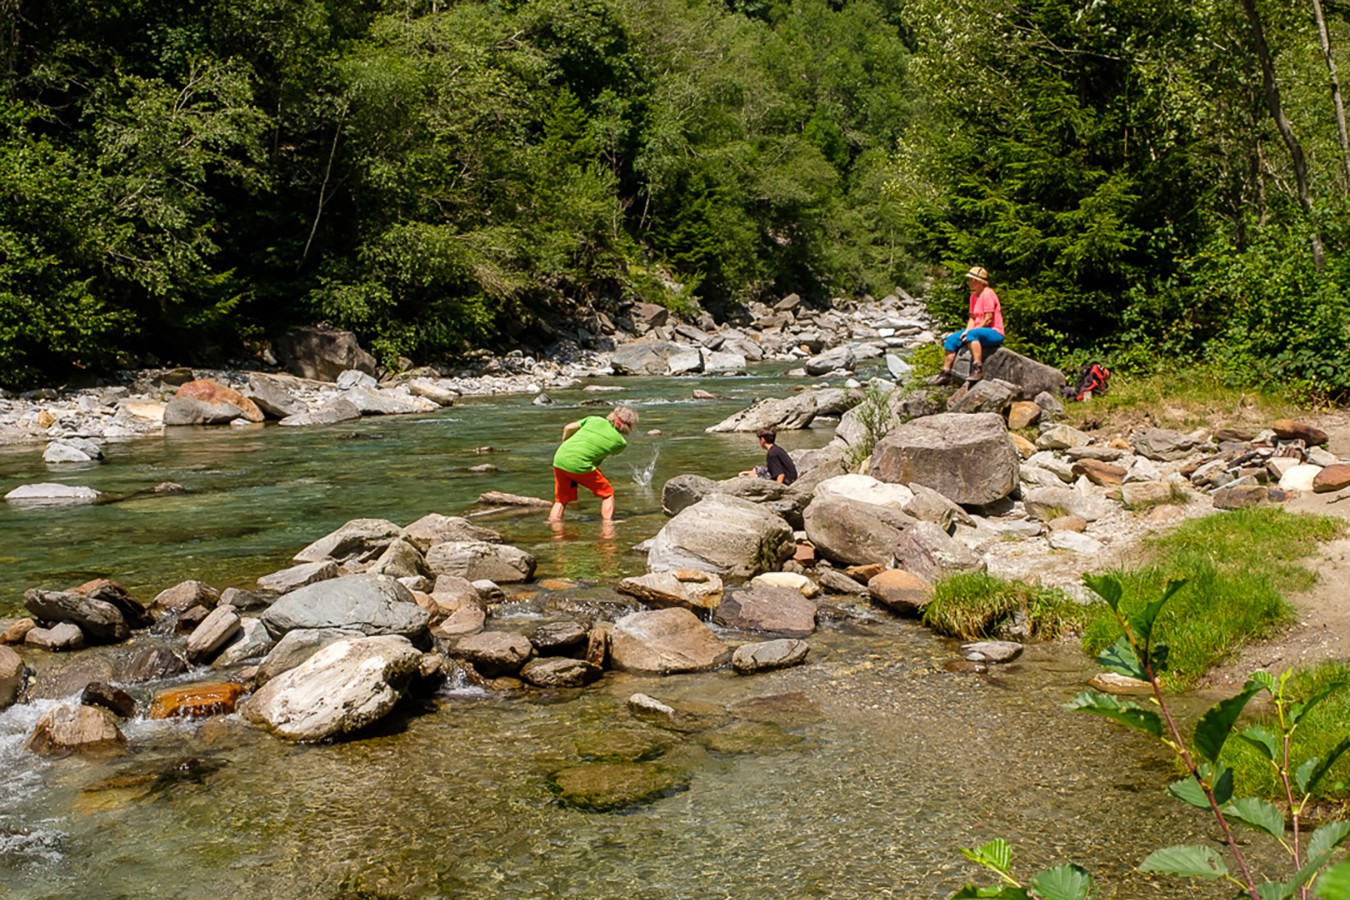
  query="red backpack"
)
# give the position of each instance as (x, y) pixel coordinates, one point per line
(1092, 378)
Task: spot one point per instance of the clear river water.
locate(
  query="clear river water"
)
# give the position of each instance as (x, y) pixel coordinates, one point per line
(859, 774)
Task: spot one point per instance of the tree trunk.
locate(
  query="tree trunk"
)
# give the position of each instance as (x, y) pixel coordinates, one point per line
(1271, 91)
(1325, 37)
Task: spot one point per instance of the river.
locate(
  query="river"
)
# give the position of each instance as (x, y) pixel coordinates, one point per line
(859, 774)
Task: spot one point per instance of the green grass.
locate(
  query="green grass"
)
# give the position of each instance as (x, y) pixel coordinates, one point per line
(1185, 400)
(1317, 734)
(975, 605)
(1238, 566)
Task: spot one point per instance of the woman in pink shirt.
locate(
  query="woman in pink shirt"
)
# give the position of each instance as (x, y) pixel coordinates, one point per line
(983, 331)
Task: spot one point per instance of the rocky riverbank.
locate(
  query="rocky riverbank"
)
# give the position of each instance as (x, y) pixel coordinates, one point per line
(918, 484)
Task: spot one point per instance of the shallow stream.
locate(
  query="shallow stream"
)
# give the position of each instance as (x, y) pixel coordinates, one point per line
(859, 774)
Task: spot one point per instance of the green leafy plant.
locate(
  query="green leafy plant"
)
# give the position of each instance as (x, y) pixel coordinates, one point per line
(874, 415)
(1062, 882)
(1139, 653)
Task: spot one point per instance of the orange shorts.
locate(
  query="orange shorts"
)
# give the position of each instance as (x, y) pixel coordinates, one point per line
(565, 484)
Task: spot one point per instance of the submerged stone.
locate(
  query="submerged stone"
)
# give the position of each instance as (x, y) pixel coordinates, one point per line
(749, 737)
(607, 787)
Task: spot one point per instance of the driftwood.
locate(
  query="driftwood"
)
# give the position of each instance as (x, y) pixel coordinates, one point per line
(499, 498)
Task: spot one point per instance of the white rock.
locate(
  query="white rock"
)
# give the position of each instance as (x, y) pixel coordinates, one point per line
(1299, 478)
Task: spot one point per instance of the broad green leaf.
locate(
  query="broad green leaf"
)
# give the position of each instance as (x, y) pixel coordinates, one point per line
(1274, 890)
(1120, 657)
(1328, 838)
(1188, 790)
(1107, 587)
(1299, 710)
(1264, 680)
(1220, 779)
(996, 855)
(1257, 814)
(1262, 740)
(1335, 882)
(1064, 882)
(1157, 656)
(1122, 711)
(1217, 723)
(1141, 623)
(1312, 771)
(1189, 860)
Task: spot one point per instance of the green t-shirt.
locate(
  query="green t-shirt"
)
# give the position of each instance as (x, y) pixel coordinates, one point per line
(591, 443)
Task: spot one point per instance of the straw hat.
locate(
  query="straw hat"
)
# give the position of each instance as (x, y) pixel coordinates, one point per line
(979, 274)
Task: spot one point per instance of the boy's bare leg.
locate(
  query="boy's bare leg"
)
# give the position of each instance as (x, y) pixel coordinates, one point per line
(556, 513)
(606, 509)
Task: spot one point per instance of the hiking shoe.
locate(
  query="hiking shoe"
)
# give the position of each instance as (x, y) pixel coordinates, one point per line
(943, 377)
(976, 372)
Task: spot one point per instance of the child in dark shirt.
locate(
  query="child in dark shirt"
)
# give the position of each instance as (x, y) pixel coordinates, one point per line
(778, 466)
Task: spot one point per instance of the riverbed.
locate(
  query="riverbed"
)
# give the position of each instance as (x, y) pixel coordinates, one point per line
(859, 774)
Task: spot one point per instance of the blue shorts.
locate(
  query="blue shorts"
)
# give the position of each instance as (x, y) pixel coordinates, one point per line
(989, 340)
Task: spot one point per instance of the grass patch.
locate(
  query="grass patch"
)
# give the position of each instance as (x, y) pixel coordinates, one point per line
(1183, 400)
(1325, 725)
(1238, 568)
(975, 605)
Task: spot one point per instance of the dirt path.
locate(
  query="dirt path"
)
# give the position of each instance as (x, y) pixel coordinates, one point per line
(1322, 628)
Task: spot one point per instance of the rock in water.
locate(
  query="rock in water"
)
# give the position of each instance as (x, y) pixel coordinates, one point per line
(344, 687)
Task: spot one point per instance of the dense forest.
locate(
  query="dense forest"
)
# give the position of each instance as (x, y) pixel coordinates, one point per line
(1158, 182)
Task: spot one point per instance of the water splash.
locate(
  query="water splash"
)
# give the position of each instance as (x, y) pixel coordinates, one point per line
(642, 477)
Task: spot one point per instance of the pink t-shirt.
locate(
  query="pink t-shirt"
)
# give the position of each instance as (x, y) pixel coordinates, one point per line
(984, 303)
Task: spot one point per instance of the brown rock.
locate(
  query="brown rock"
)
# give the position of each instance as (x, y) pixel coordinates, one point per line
(73, 727)
(185, 595)
(597, 645)
(196, 701)
(864, 574)
(11, 676)
(775, 610)
(665, 642)
(14, 634)
(495, 653)
(1334, 477)
(1025, 448)
(209, 391)
(113, 699)
(1100, 473)
(1067, 523)
(463, 621)
(805, 554)
(1240, 496)
(1022, 413)
(901, 591)
(1290, 430)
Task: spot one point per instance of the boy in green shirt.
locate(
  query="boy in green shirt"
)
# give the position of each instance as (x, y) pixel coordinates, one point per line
(585, 444)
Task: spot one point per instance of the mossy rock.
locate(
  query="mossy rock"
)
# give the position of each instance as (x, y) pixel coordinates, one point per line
(749, 737)
(606, 787)
(622, 745)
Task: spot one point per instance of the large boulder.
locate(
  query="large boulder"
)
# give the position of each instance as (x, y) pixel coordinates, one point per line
(344, 687)
(100, 620)
(692, 589)
(191, 411)
(785, 414)
(683, 491)
(852, 532)
(495, 653)
(1031, 377)
(368, 604)
(274, 396)
(372, 402)
(69, 727)
(967, 458)
(929, 552)
(298, 576)
(644, 357)
(865, 489)
(831, 361)
(322, 354)
(355, 538)
(217, 394)
(776, 610)
(665, 642)
(434, 528)
(727, 536)
(476, 560)
(51, 494)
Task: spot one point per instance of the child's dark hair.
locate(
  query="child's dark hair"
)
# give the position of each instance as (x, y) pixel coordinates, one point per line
(767, 434)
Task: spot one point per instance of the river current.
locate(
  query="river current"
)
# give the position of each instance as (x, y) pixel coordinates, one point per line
(859, 774)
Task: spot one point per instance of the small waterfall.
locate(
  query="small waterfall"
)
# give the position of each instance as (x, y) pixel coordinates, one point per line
(643, 476)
